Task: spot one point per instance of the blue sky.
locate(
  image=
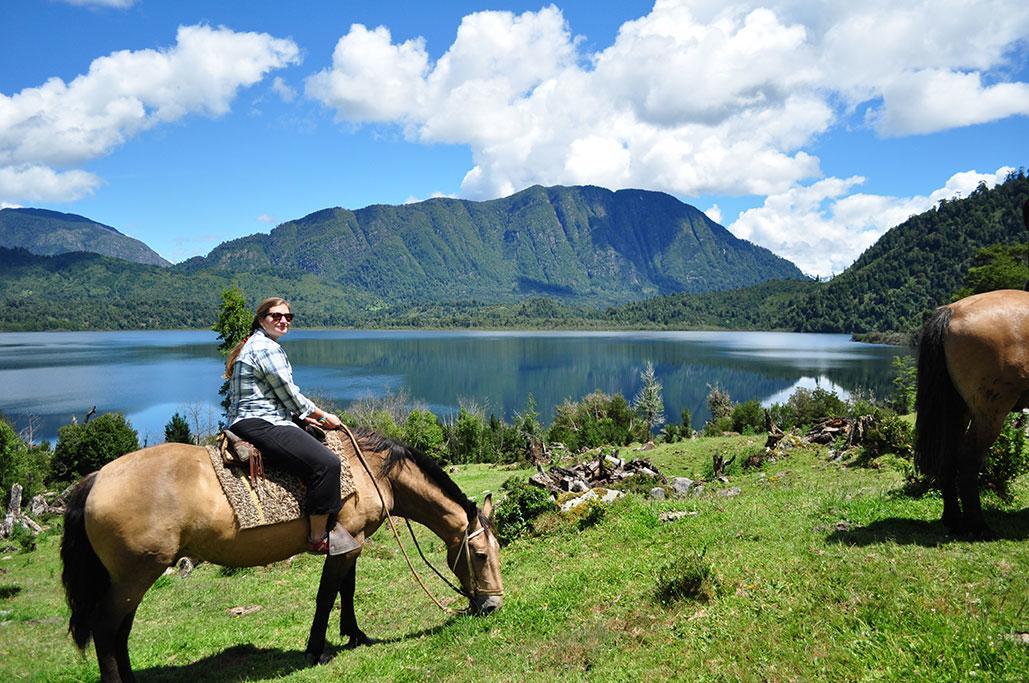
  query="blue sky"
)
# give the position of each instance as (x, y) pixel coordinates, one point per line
(807, 127)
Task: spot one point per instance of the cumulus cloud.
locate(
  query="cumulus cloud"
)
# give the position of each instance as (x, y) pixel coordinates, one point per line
(58, 124)
(696, 97)
(824, 226)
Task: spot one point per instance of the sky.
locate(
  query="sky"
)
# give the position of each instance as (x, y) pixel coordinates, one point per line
(809, 128)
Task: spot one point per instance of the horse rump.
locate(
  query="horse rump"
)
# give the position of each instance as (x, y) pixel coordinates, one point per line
(940, 412)
(85, 578)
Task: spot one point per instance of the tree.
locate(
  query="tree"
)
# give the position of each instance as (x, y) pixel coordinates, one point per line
(177, 430)
(648, 404)
(233, 326)
(84, 448)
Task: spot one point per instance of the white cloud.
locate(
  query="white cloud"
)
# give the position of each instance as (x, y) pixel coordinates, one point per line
(283, 90)
(823, 227)
(41, 183)
(714, 213)
(696, 97)
(60, 124)
(265, 218)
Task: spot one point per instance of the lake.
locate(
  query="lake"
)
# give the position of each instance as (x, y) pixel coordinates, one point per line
(48, 377)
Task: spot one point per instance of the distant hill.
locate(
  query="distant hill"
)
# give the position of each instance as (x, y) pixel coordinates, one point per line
(47, 233)
(584, 244)
(913, 268)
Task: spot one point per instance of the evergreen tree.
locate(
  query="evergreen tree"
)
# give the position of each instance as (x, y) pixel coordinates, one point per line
(177, 430)
(233, 326)
(648, 404)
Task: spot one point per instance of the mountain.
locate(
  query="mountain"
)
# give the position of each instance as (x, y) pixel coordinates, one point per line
(913, 268)
(50, 232)
(584, 244)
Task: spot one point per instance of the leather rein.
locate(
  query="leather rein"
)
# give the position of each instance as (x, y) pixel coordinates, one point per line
(472, 574)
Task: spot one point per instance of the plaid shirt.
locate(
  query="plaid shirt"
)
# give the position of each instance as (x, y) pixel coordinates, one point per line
(262, 384)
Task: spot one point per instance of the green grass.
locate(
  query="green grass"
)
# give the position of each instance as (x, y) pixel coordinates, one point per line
(817, 572)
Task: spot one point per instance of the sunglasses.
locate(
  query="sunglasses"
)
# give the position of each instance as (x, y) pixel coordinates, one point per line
(279, 316)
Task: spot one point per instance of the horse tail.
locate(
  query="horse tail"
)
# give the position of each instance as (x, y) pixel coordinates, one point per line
(85, 578)
(939, 408)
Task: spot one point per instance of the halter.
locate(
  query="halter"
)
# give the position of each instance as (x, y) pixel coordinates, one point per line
(472, 576)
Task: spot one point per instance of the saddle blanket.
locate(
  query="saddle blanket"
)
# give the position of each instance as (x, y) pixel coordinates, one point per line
(279, 495)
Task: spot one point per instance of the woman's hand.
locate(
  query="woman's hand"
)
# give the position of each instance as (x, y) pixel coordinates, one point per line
(325, 420)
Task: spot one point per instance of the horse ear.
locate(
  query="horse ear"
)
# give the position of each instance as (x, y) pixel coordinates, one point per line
(487, 507)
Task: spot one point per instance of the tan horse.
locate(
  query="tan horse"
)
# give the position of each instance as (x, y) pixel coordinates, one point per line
(127, 523)
(973, 369)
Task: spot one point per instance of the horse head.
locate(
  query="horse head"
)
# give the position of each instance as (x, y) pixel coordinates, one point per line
(475, 560)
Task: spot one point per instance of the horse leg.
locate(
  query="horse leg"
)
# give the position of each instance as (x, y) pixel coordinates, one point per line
(111, 626)
(949, 488)
(332, 574)
(981, 435)
(348, 627)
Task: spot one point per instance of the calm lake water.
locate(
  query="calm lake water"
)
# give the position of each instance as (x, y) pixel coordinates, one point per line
(148, 376)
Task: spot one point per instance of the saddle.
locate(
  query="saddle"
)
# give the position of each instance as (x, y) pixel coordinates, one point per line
(238, 452)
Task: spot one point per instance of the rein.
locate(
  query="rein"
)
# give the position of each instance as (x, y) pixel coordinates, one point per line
(396, 535)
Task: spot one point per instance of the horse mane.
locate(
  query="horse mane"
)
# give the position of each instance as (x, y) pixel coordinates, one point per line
(398, 453)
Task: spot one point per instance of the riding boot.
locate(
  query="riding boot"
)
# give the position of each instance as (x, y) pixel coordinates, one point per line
(341, 542)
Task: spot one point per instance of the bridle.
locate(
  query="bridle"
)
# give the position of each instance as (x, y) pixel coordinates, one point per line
(465, 537)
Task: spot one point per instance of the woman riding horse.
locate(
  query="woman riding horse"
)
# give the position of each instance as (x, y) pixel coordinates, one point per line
(263, 400)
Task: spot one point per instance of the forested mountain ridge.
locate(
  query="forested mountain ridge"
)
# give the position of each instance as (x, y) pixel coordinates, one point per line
(47, 233)
(586, 244)
(913, 268)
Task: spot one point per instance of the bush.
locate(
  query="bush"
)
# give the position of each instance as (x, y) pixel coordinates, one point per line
(599, 419)
(84, 448)
(592, 514)
(715, 427)
(805, 408)
(522, 504)
(719, 403)
(1008, 458)
(469, 439)
(689, 577)
(888, 433)
(22, 464)
(748, 418)
(422, 431)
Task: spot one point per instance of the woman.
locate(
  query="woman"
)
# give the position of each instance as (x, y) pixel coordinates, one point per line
(262, 404)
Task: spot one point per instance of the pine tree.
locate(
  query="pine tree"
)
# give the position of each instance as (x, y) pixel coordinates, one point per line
(232, 327)
(648, 404)
(177, 430)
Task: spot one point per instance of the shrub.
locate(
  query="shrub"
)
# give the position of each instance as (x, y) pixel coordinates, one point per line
(84, 448)
(905, 380)
(592, 514)
(888, 433)
(805, 408)
(422, 431)
(22, 464)
(748, 417)
(599, 419)
(1008, 458)
(522, 504)
(719, 403)
(468, 439)
(715, 427)
(689, 577)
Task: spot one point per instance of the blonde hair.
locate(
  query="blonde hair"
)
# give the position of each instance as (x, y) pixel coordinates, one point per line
(261, 311)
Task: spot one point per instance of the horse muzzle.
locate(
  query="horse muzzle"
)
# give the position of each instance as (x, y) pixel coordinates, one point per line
(481, 605)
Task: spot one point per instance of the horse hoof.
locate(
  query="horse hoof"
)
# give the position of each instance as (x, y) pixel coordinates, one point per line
(359, 640)
(314, 659)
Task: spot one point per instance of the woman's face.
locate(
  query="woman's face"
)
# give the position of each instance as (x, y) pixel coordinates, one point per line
(276, 328)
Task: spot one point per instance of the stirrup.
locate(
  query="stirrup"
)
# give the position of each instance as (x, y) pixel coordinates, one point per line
(341, 542)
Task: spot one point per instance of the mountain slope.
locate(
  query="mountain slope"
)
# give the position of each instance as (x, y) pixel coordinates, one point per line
(47, 233)
(582, 243)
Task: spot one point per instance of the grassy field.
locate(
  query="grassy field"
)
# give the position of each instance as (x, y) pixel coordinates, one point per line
(819, 572)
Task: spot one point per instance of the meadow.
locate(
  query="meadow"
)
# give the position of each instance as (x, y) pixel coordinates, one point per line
(817, 571)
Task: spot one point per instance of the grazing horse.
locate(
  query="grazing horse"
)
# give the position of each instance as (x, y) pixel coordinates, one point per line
(973, 369)
(127, 523)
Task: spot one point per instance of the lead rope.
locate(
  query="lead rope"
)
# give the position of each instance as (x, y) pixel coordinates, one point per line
(396, 534)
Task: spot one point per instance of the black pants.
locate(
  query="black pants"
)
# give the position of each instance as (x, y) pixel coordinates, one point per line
(295, 450)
